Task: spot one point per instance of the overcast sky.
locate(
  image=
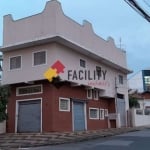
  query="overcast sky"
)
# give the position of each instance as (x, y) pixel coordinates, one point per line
(109, 18)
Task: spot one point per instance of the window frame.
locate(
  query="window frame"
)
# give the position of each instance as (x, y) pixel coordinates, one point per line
(34, 56)
(101, 115)
(106, 112)
(121, 78)
(91, 108)
(95, 91)
(98, 68)
(10, 62)
(89, 97)
(94, 94)
(84, 62)
(17, 90)
(67, 99)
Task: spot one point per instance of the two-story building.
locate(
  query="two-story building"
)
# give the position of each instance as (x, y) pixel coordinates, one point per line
(89, 91)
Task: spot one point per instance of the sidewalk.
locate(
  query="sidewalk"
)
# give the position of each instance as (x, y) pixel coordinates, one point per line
(24, 140)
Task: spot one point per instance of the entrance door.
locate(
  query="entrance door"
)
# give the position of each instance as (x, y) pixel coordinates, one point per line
(78, 116)
(121, 111)
(29, 116)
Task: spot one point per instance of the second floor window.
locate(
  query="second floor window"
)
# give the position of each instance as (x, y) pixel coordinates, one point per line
(39, 58)
(82, 63)
(120, 79)
(15, 62)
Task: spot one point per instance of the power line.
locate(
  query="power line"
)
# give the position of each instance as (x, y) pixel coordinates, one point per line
(138, 8)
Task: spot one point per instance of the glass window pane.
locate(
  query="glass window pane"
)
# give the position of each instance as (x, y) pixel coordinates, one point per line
(39, 58)
(15, 62)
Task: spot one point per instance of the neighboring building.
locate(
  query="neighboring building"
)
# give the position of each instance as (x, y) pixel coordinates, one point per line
(143, 99)
(140, 116)
(140, 82)
(92, 85)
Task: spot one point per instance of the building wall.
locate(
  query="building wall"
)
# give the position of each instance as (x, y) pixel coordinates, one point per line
(136, 118)
(140, 81)
(71, 61)
(52, 22)
(144, 101)
(52, 118)
(136, 82)
(28, 72)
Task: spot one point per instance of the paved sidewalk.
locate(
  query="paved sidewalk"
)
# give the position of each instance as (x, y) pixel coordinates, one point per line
(21, 141)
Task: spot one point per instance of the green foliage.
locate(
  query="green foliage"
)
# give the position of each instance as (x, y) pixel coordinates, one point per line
(133, 102)
(4, 94)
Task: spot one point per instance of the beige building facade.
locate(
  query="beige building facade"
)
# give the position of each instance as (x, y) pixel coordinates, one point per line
(33, 44)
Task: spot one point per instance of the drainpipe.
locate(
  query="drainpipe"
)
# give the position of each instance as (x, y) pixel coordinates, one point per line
(116, 108)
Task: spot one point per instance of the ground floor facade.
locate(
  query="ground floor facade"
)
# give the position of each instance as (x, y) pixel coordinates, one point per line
(56, 107)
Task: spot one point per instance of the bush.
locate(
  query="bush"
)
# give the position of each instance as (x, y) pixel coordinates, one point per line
(133, 102)
(4, 94)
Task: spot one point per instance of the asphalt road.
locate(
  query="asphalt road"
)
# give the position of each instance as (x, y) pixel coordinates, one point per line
(139, 140)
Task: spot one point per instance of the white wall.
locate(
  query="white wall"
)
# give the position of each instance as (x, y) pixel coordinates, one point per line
(144, 103)
(139, 120)
(3, 127)
(136, 82)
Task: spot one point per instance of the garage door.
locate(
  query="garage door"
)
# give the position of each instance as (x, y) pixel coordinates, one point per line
(29, 116)
(78, 116)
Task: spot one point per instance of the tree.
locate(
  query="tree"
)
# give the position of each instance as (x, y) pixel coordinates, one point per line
(4, 94)
(133, 102)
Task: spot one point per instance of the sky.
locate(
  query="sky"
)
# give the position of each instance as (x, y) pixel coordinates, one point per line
(113, 18)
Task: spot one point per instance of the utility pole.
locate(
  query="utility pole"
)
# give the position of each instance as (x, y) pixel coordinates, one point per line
(116, 96)
(1, 59)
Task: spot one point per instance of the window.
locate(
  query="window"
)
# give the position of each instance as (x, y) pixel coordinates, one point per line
(120, 79)
(101, 114)
(98, 71)
(29, 90)
(64, 104)
(147, 83)
(93, 94)
(89, 93)
(39, 58)
(147, 79)
(93, 113)
(15, 62)
(106, 112)
(82, 63)
(120, 96)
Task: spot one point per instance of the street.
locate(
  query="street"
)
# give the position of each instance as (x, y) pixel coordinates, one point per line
(139, 140)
